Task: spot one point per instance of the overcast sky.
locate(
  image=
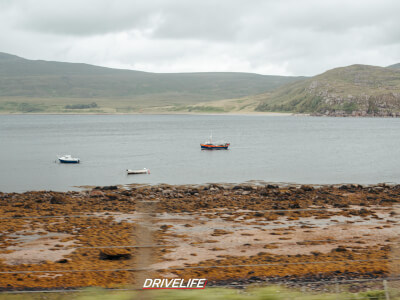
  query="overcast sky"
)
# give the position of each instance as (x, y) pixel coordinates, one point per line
(284, 37)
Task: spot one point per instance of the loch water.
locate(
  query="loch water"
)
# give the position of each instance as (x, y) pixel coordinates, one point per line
(297, 149)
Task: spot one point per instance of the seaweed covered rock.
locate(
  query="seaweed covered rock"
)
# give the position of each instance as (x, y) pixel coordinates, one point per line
(115, 254)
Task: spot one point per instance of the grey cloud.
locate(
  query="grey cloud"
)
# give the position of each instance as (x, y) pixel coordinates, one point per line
(81, 17)
(266, 36)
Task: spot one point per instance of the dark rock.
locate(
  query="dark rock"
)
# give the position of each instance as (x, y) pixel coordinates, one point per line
(57, 199)
(294, 205)
(126, 193)
(339, 249)
(109, 188)
(111, 196)
(115, 254)
(166, 192)
(165, 227)
(271, 186)
(340, 205)
(247, 187)
(388, 201)
(96, 193)
(307, 188)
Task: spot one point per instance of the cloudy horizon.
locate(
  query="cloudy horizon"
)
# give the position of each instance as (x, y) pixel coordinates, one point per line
(267, 37)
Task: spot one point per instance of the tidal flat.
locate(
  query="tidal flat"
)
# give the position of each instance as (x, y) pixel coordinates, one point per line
(227, 233)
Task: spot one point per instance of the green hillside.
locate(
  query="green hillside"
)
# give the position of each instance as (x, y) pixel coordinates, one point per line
(395, 66)
(357, 90)
(30, 84)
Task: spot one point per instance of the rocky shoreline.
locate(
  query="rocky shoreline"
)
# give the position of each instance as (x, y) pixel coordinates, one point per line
(342, 113)
(229, 234)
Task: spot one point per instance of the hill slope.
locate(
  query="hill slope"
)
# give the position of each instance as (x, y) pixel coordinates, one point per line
(395, 66)
(353, 90)
(28, 79)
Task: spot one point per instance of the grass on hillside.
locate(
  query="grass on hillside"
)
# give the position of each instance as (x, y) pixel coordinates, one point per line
(271, 293)
(26, 78)
(351, 84)
(73, 105)
(110, 106)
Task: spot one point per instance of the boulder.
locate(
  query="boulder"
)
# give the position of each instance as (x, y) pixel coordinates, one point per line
(96, 193)
(115, 254)
(109, 188)
(166, 192)
(57, 199)
(307, 188)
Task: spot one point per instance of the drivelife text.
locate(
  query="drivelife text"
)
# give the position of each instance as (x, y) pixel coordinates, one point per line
(177, 283)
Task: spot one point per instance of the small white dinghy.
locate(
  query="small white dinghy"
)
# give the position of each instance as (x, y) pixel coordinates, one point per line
(142, 171)
(68, 159)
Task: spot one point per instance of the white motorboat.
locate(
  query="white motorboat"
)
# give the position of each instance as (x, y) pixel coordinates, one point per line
(68, 159)
(141, 171)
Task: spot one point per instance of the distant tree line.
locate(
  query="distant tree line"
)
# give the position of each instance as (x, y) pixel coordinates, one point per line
(81, 106)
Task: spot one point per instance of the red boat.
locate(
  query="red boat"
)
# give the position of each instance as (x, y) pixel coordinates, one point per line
(208, 145)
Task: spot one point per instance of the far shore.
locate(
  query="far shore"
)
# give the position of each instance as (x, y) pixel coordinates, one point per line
(277, 114)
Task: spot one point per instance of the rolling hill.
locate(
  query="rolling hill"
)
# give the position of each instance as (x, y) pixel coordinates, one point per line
(59, 87)
(357, 90)
(47, 86)
(395, 66)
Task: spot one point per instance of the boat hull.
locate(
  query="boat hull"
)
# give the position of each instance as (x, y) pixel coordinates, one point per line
(63, 161)
(214, 147)
(144, 171)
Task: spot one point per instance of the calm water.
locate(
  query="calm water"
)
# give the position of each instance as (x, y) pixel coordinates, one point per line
(273, 149)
